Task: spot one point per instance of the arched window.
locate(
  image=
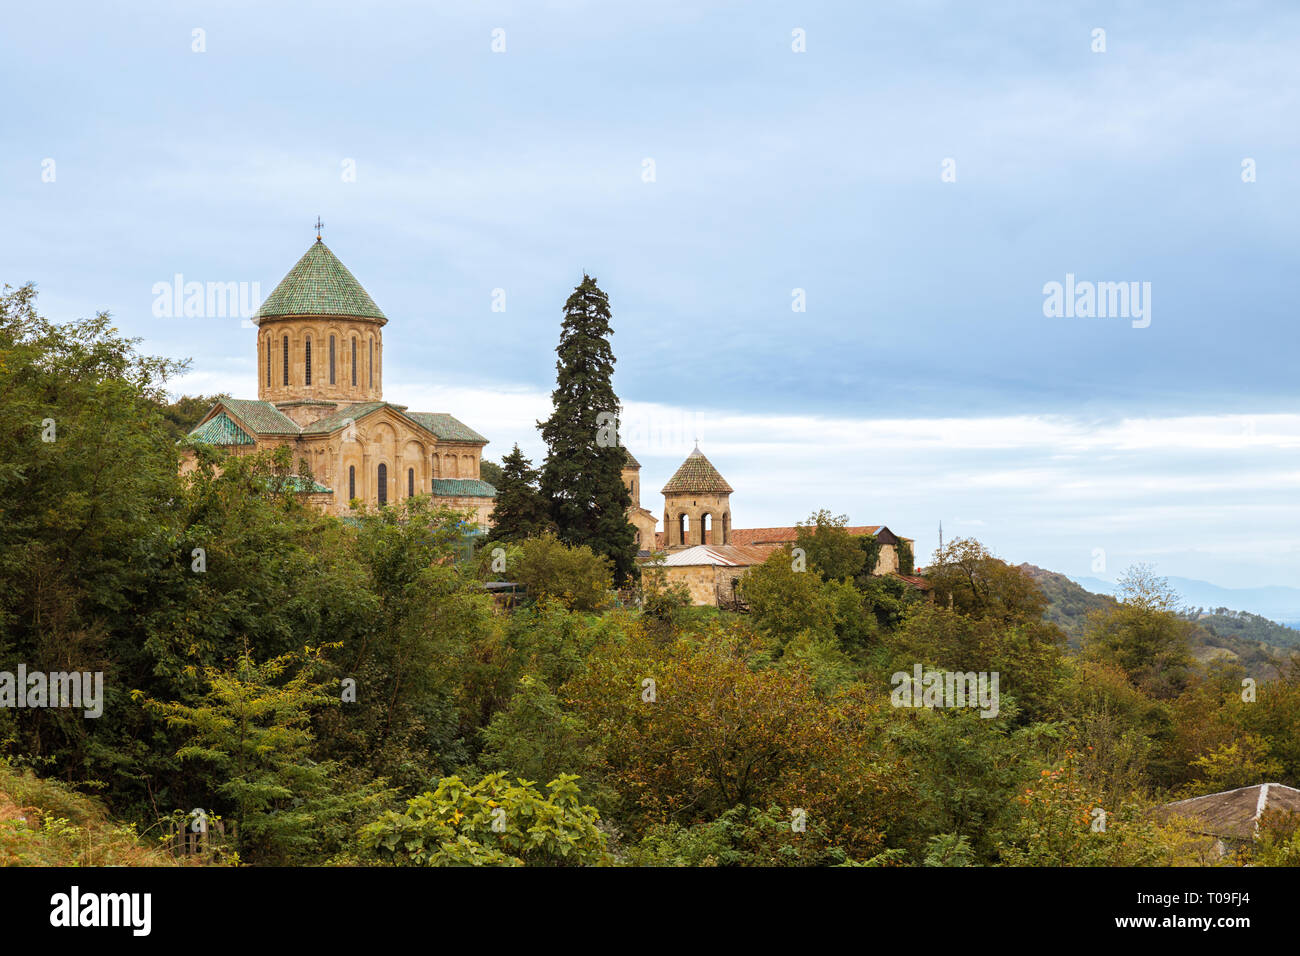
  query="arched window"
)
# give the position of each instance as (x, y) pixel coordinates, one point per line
(372, 364)
(410, 482)
(306, 355)
(383, 485)
(706, 526)
(354, 361)
(352, 482)
(331, 360)
(286, 361)
(268, 360)
(683, 529)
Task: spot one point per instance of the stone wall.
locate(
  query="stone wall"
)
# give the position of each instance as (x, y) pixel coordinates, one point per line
(318, 330)
(704, 580)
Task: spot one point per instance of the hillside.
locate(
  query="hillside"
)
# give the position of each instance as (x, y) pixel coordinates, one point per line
(44, 823)
(1245, 626)
(1068, 603)
(1258, 644)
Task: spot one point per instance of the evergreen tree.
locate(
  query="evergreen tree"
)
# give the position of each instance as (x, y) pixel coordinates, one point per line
(520, 511)
(582, 477)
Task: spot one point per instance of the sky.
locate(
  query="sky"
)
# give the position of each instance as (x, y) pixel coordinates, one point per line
(912, 176)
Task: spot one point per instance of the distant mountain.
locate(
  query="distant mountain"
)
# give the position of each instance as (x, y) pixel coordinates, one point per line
(1257, 643)
(1277, 602)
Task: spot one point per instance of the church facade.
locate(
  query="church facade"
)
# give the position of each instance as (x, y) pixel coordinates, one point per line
(320, 374)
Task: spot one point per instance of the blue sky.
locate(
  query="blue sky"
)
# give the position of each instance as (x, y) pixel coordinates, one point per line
(922, 383)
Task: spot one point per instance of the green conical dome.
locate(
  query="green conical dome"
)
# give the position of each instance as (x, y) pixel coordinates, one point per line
(319, 284)
(697, 476)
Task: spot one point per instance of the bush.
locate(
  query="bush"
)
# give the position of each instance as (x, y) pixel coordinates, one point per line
(576, 577)
(490, 823)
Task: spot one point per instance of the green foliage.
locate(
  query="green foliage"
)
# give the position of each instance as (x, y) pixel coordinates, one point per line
(418, 674)
(1278, 843)
(948, 849)
(521, 511)
(535, 737)
(1143, 635)
(829, 548)
(490, 472)
(785, 601)
(742, 836)
(665, 606)
(906, 560)
(490, 823)
(970, 580)
(582, 477)
(46, 823)
(1241, 763)
(1062, 824)
(187, 411)
(575, 576)
(1245, 626)
(253, 729)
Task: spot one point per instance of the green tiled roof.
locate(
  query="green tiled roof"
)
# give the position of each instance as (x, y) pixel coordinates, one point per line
(319, 285)
(697, 476)
(463, 488)
(221, 430)
(263, 417)
(446, 427)
(335, 419)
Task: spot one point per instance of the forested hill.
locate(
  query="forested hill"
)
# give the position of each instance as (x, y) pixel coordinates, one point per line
(1256, 642)
(1243, 624)
(1068, 603)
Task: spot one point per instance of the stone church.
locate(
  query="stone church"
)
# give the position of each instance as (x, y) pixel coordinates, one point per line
(702, 550)
(320, 391)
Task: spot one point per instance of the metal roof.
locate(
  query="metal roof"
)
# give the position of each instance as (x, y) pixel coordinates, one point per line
(724, 555)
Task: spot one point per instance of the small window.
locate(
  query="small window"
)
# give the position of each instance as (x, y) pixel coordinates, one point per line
(410, 482)
(354, 361)
(306, 355)
(331, 360)
(352, 482)
(268, 360)
(372, 364)
(286, 361)
(383, 485)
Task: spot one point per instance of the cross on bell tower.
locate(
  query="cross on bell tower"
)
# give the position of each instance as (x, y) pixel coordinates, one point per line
(319, 226)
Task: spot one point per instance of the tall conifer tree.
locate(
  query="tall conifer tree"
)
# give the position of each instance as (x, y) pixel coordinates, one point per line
(582, 477)
(521, 511)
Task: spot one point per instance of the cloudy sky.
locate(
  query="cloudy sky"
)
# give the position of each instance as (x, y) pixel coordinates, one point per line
(921, 171)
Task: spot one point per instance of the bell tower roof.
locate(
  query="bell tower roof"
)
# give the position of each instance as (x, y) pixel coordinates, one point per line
(319, 284)
(697, 476)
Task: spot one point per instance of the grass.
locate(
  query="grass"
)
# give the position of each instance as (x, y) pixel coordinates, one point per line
(46, 823)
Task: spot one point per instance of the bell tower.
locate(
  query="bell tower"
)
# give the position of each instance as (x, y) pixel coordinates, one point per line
(697, 504)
